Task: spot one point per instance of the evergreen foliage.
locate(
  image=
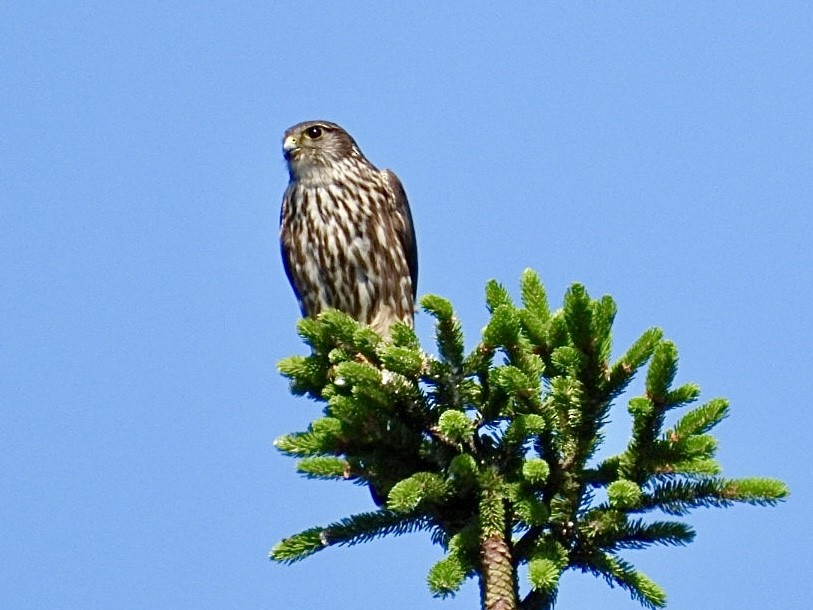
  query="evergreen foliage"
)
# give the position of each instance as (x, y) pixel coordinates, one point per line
(492, 451)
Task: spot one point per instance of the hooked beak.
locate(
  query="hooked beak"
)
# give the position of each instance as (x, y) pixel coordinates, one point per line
(289, 146)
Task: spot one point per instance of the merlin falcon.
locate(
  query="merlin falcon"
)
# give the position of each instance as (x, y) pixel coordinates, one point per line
(346, 231)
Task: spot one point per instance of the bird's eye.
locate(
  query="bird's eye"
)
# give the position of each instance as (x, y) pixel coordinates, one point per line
(314, 132)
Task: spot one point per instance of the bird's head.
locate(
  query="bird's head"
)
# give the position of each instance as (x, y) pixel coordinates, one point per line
(315, 146)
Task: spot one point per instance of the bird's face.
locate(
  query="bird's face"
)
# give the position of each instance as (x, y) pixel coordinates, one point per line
(314, 145)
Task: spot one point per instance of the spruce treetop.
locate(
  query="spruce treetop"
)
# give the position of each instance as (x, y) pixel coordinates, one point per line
(493, 451)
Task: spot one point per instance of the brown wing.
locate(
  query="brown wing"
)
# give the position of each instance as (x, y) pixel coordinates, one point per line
(406, 232)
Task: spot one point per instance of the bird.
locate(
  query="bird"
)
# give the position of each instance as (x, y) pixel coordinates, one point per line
(346, 230)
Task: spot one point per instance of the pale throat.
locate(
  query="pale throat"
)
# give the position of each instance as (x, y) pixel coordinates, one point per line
(312, 175)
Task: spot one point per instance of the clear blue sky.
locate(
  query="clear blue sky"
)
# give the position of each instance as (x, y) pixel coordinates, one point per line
(658, 152)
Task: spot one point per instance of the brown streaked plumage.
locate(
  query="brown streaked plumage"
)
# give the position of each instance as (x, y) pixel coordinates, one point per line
(346, 230)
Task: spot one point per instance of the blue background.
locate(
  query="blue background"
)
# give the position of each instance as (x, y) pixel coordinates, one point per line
(659, 152)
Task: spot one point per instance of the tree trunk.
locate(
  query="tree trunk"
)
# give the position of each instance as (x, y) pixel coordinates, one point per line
(497, 582)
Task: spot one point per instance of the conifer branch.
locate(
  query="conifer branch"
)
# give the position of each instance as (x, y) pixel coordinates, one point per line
(348, 531)
(616, 571)
(492, 451)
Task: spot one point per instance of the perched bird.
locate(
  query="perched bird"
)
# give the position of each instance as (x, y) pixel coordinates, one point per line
(346, 231)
